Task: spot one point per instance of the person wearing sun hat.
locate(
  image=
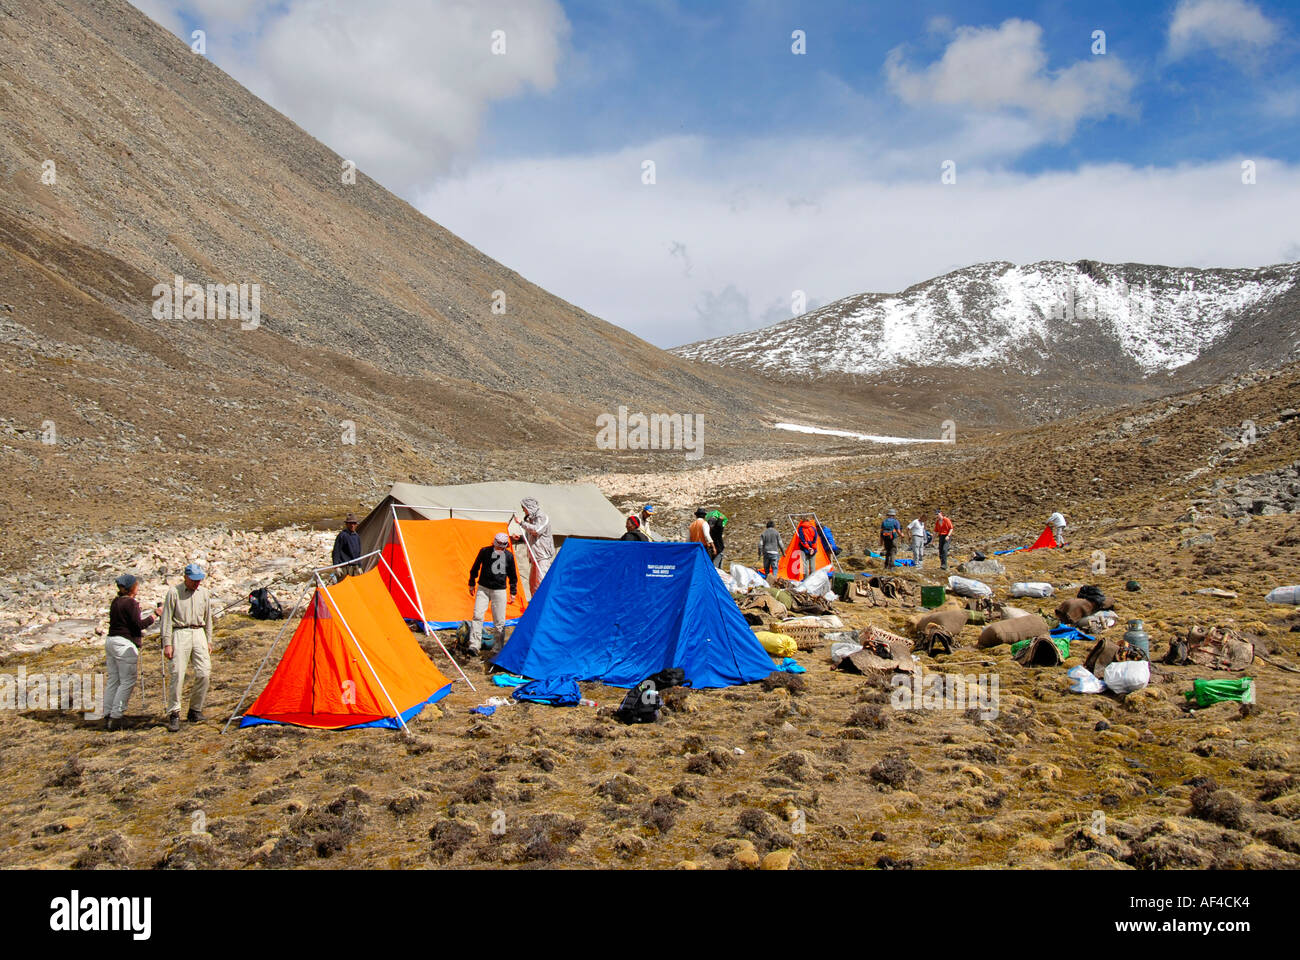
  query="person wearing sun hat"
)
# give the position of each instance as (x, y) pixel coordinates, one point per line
(347, 545)
(122, 647)
(187, 642)
(494, 569)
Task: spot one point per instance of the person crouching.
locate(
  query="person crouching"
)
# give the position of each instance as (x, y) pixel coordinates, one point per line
(493, 569)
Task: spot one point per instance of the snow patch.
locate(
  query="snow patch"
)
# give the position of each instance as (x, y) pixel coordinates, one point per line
(869, 437)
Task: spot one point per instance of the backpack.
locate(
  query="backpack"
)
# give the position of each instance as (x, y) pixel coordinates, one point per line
(641, 704)
(670, 677)
(263, 606)
(1093, 594)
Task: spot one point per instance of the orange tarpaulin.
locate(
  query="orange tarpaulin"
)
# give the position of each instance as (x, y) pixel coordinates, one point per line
(1045, 539)
(790, 564)
(433, 569)
(351, 661)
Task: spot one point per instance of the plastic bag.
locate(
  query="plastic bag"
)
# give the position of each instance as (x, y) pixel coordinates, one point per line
(1085, 681)
(1126, 676)
(843, 649)
(819, 584)
(1207, 692)
(965, 587)
(746, 578)
(1039, 590)
(1284, 595)
(1098, 622)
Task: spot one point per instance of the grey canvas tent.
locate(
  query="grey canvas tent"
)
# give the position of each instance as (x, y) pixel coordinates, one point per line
(575, 509)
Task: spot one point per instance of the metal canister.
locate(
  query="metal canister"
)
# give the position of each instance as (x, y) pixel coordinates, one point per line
(1137, 636)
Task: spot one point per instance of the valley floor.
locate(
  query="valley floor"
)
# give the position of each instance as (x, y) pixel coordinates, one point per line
(821, 764)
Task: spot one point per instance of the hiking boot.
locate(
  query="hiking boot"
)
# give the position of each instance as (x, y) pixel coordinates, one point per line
(174, 722)
(194, 716)
(114, 723)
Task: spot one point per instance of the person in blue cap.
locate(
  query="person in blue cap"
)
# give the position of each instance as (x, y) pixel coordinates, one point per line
(187, 642)
(646, 513)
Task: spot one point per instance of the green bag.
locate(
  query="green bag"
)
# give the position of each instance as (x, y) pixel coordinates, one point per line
(1206, 692)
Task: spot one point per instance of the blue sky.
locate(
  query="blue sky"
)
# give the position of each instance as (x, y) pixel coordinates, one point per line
(778, 173)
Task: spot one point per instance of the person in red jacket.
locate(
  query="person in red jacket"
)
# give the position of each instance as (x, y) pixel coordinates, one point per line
(807, 533)
(943, 530)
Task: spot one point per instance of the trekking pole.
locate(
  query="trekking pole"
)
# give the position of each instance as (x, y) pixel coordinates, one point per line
(162, 668)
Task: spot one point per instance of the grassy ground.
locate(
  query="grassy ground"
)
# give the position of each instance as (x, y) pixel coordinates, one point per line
(829, 769)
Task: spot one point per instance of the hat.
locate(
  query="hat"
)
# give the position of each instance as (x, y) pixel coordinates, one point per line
(194, 572)
(126, 581)
(892, 513)
(501, 540)
(634, 520)
(648, 508)
(351, 518)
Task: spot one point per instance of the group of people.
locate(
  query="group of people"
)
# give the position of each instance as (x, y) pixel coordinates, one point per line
(891, 532)
(186, 626)
(186, 611)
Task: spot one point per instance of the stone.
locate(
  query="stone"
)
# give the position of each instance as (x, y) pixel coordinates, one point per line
(982, 567)
(777, 860)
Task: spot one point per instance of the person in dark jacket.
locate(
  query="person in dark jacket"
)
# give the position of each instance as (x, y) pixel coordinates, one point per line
(493, 569)
(634, 531)
(122, 648)
(347, 545)
(717, 526)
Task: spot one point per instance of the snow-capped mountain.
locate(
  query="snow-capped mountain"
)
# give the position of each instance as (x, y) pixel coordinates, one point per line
(1117, 322)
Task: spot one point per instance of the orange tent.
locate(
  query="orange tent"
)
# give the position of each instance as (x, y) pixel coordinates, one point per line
(430, 562)
(1045, 539)
(352, 662)
(789, 563)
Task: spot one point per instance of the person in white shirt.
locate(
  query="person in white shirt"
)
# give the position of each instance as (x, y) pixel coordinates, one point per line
(917, 529)
(1057, 523)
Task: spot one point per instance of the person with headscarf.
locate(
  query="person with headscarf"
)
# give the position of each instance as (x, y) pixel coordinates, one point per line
(540, 543)
(493, 570)
(125, 632)
(634, 531)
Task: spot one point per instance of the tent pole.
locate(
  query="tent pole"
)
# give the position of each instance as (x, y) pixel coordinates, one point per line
(287, 620)
(425, 624)
(419, 603)
(343, 620)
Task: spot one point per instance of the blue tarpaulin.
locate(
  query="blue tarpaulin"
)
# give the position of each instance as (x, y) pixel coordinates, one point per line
(621, 611)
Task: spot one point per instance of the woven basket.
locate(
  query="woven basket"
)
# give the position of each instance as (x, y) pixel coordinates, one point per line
(800, 631)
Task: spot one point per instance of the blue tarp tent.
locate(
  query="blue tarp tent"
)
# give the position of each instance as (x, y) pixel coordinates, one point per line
(620, 611)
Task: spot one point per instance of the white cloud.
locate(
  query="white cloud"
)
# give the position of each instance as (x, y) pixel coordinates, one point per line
(161, 12)
(1005, 68)
(586, 229)
(399, 87)
(1234, 29)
